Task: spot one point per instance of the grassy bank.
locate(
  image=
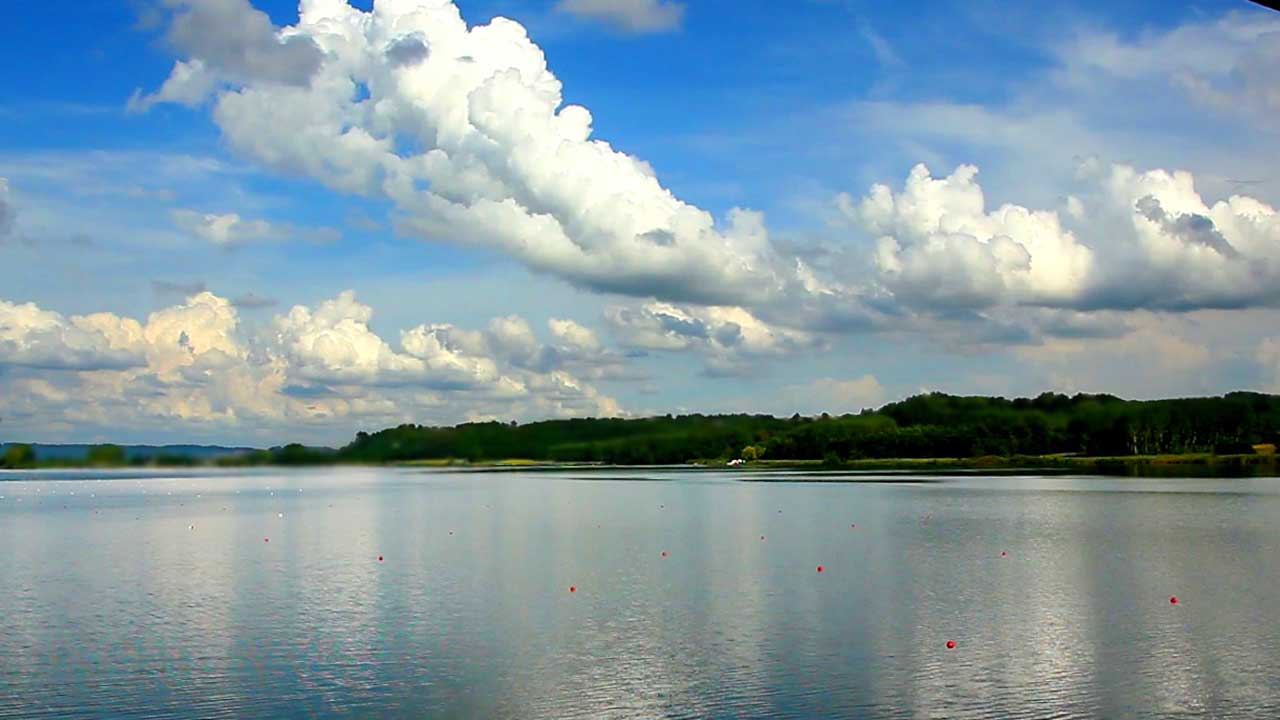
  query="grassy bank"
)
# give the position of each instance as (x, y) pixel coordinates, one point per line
(460, 462)
(1190, 464)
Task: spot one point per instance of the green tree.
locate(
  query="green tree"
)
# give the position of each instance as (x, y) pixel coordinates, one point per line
(932, 425)
(106, 455)
(18, 455)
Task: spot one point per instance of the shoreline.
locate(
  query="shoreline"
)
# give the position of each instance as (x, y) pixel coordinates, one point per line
(1186, 465)
(1191, 464)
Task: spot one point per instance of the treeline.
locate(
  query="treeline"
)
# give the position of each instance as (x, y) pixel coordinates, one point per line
(657, 440)
(926, 426)
(933, 425)
(18, 456)
(24, 456)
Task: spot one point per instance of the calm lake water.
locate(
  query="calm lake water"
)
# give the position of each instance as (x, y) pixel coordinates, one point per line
(130, 595)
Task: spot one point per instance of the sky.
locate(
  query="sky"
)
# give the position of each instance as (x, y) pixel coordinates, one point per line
(263, 221)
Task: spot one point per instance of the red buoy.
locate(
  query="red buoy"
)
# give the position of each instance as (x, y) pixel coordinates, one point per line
(819, 568)
(379, 558)
(1173, 600)
(1004, 554)
(664, 553)
(951, 644)
(573, 588)
(266, 539)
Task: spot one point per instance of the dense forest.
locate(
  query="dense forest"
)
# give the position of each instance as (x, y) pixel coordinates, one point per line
(926, 426)
(933, 425)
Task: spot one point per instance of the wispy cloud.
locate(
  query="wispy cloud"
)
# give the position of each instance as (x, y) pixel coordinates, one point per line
(229, 229)
(178, 288)
(8, 214)
(634, 16)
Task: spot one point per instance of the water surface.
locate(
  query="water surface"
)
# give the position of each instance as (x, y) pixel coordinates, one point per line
(261, 594)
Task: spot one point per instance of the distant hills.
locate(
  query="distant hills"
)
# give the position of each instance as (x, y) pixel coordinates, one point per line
(143, 453)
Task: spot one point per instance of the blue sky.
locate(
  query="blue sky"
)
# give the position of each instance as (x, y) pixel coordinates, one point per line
(174, 252)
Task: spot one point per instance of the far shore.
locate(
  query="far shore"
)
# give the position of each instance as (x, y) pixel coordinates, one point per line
(1185, 465)
(1191, 464)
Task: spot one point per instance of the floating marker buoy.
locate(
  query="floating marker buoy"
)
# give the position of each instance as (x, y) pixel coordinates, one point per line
(573, 588)
(664, 553)
(1173, 600)
(951, 644)
(1004, 554)
(819, 568)
(266, 539)
(191, 527)
(761, 537)
(379, 558)
(279, 515)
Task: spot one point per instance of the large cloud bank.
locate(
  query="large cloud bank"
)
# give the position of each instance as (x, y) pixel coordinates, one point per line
(197, 363)
(466, 131)
(1131, 239)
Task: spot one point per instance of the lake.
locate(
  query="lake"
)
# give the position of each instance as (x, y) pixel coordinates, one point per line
(418, 593)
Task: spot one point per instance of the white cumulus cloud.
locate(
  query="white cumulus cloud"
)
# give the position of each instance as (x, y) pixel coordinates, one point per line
(36, 338)
(464, 129)
(936, 244)
(306, 370)
(730, 339)
(227, 41)
(1131, 239)
(473, 143)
